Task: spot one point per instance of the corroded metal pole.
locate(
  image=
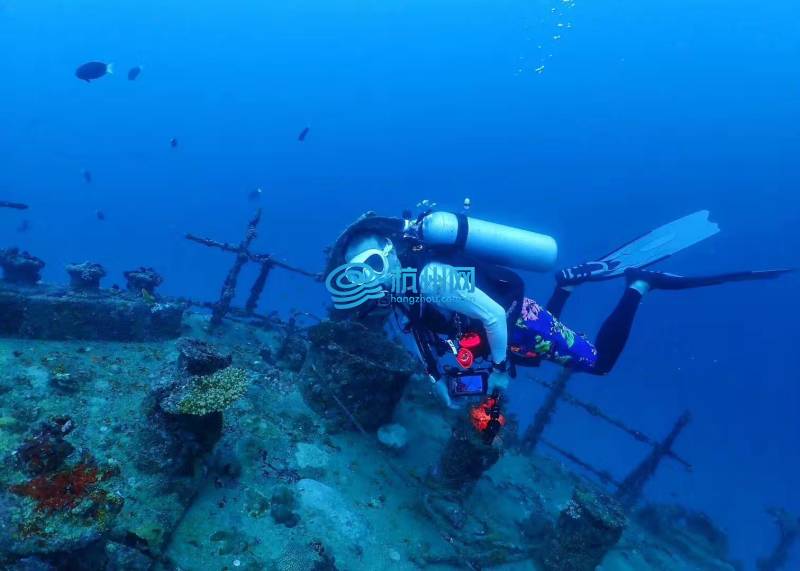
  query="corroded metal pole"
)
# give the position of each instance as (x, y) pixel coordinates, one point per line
(242, 257)
(632, 487)
(258, 288)
(545, 413)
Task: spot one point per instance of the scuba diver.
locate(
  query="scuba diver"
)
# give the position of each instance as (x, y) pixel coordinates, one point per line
(467, 312)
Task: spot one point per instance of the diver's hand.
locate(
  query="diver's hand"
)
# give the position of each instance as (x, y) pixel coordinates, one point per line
(440, 388)
(498, 380)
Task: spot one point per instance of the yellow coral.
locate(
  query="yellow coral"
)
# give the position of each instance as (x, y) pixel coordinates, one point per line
(215, 392)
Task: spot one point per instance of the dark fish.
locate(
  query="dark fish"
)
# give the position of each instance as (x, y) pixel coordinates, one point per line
(24, 226)
(87, 175)
(173, 142)
(93, 70)
(100, 215)
(302, 136)
(134, 72)
(14, 205)
(255, 195)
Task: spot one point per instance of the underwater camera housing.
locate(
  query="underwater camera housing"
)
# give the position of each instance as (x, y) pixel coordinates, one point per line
(468, 383)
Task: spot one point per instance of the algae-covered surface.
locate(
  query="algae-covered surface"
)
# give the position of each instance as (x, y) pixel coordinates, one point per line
(96, 475)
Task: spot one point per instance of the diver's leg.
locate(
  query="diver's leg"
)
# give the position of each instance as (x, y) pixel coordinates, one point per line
(558, 299)
(616, 329)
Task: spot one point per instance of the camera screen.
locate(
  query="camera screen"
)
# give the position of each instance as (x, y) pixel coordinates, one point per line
(469, 385)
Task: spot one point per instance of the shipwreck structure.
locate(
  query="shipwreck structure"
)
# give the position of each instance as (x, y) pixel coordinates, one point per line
(32, 310)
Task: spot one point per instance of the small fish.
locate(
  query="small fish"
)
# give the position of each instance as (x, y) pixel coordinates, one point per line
(134, 72)
(100, 215)
(93, 70)
(173, 142)
(302, 136)
(87, 175)
(539, 70)
(148, 297)
(467, 203)
(24, 226)
(255, 194)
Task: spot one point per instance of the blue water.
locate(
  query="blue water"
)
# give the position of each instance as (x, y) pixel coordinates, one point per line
(643, 112)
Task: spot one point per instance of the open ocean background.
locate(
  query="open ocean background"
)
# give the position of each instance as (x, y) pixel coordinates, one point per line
(643, 112)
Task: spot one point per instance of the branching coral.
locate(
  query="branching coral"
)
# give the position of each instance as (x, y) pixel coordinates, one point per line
(215, 392)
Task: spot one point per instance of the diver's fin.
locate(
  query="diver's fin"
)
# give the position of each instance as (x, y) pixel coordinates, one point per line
(652, 247)
(663, 280)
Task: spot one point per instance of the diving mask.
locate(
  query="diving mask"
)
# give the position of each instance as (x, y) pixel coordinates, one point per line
(376, 258)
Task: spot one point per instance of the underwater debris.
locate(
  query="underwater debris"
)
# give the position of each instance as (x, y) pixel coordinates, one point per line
(20, 267)
(589, 526)
(14, 205)
(361, 369)
(303, 134)
(143, 278)
(85, 276)
(133, 73)
(393, 436)
(87, 175)
(690, 532)
(100, 215)
(46, 451)
(173, 142)
(282, 507)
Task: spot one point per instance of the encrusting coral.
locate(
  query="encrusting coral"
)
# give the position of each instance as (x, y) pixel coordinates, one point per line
(214, 392)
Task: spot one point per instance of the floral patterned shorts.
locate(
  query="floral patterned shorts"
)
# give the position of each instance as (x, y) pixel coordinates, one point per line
(538, 334)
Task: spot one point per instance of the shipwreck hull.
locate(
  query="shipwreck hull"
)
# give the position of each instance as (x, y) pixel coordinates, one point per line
(41, 312)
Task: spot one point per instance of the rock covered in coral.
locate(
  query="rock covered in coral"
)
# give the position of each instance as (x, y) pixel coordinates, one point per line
(46, 450)
(589, 527)
(20, 267)
(200, 358)
(54, 505)
(354, 375)
(143, 279)
(465, 457)
(85, 276)
(185, 409)
(205, 383)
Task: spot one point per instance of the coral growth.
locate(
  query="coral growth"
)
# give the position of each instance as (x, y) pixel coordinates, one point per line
(20, 267)
(63, 490)
(215, 392)
(85, 276)
(143, 279)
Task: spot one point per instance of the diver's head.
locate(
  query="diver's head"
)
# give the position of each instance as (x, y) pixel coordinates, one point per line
(375, 251)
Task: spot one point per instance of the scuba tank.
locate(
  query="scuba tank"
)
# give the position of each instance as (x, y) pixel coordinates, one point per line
(494, 243)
